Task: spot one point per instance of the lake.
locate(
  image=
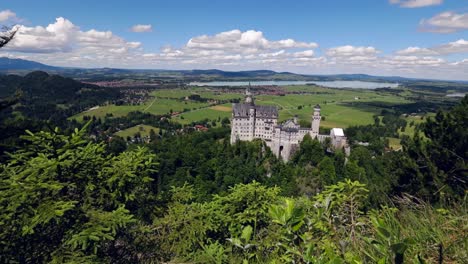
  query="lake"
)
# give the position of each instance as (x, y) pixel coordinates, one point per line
(456, 95)
(330, 84)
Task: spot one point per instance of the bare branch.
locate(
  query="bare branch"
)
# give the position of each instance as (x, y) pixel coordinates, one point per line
(7, 34)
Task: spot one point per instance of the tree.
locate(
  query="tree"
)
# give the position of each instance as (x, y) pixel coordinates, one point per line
(152, 135)
(62, 198)
(448, 145)
(116, 145)
(327, 171)
(6, 35)
(225, 122)
(310, 152)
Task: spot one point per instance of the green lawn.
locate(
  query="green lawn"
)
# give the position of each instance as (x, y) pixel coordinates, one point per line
(340, 107)
(409, 130)
(394, 143)
(143, 129)
(203, 92)
(156, 106)
(201, 114)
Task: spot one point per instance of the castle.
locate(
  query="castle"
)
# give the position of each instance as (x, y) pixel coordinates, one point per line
(250, 121)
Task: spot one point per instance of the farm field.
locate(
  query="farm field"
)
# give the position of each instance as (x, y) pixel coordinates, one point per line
(131, 131)
(214, 113)
(409, 129)
(156, 106)
(203, 92)
(340, 107)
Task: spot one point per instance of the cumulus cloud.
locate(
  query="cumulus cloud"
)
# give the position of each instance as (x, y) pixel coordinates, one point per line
(305, 53)
(413, 61)
(416, 3)
(250, 41)
(142, 28)
(417, 51)
(446, 22)
(56, 37)
(459, 46)
(65, 44)
(351, 51)
(8, 15)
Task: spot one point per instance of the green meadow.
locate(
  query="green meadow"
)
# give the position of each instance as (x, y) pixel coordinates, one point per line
(131, 131)
(339, 107)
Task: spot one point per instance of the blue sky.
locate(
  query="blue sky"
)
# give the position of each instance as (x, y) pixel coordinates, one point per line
(365, 36)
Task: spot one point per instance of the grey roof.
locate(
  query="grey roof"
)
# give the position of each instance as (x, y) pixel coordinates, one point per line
(266, 111)
(269, 111)
(289, 129)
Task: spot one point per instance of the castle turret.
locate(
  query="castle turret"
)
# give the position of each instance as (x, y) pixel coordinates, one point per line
(316, 121)
(248, 96)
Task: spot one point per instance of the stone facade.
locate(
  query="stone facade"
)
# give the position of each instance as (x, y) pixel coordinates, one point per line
(250, 121)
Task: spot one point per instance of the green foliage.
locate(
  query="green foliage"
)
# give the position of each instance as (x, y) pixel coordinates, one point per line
(63, 194)
(310, 152)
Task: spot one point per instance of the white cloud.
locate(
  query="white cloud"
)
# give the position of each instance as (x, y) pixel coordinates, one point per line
(416, 3)
(305, 53)
(413, 61)
(65, 44)
(57, 37)
(64, 36)
(142, 28)
(8, 15)
(350, 51)
(250, 41)
(446, 22)
(462, 62)
(417, 51)
(459, 46)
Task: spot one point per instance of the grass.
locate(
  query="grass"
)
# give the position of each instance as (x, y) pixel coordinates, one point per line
(156, 106)
(394, 143)
(131, 131)
(201, 114)
(203, 92)
(340, 107)
(409, 129)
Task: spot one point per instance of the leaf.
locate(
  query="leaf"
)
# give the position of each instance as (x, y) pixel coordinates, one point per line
(382, 261)
(247, 233)
(399, 248)
(383, 232)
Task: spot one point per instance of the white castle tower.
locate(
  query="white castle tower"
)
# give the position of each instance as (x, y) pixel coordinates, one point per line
(316, 121)
(250, 121)
(248, 96)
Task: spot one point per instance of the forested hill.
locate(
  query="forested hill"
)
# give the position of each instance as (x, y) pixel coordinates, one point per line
(20, 64)
(38, 99)
(40, 88)
(40, 84)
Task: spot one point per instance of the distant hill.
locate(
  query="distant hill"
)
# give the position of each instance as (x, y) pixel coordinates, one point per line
(22, 67)
(20, 64)
(45, 95)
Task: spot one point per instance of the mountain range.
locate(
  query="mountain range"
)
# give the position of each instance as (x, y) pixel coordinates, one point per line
(21, 67)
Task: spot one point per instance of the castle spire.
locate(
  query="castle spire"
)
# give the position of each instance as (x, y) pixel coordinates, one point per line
(248, 95)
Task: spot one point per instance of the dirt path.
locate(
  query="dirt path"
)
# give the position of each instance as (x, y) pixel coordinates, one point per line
(150, 104)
